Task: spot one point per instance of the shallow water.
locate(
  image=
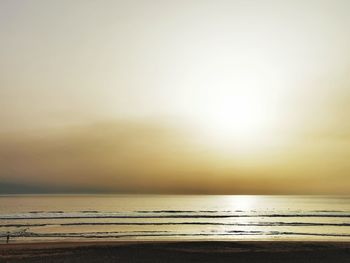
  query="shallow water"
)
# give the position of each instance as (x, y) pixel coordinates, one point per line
(145, 217)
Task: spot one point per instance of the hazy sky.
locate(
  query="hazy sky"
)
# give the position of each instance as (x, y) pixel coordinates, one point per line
(176, 96)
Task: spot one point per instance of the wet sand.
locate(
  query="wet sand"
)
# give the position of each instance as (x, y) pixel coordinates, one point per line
(187, 251)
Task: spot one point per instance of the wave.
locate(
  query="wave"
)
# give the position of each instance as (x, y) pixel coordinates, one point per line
(46, 212)
(182, 211)
(262, 224)
(101, 216)
(167, 234)
(228, 211)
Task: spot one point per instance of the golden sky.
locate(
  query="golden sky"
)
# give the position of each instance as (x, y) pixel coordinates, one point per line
(176, 96)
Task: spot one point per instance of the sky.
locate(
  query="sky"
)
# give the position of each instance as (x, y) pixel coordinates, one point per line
(185, 97)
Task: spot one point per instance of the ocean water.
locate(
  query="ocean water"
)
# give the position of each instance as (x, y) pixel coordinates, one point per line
(38, 218)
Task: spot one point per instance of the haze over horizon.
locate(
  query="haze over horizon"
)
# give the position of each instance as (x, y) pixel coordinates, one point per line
(210, 97)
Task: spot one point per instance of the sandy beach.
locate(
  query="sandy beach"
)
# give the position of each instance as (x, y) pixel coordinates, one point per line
(191, 251)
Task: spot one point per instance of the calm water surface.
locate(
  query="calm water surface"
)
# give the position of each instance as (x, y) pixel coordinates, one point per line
(144, 217)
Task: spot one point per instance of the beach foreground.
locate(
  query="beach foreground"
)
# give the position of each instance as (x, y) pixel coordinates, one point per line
(191, 251)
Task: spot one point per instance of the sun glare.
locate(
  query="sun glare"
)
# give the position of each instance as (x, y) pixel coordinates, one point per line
(239, 109)
(242, 118)
(242, 122)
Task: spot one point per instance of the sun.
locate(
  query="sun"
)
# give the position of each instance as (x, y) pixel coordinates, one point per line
(241, 122)
(241, 118)
(240, 108)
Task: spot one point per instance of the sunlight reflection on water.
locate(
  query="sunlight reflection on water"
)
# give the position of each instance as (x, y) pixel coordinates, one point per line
(125, 217)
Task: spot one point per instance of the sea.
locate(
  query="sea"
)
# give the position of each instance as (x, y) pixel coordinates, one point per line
(37, 218)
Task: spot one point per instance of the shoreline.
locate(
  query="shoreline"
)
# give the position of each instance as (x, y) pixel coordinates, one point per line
(177, 251)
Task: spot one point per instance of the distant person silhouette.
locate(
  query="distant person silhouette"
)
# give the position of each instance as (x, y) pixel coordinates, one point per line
(8, 238)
